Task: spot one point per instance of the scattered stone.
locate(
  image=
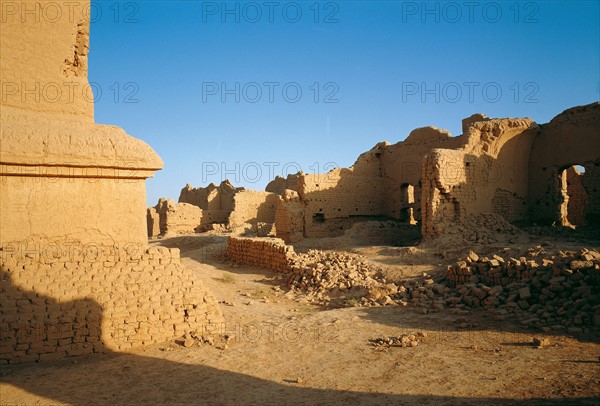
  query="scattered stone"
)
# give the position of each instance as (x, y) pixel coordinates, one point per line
(541, 342)
(402, 341)
(524, 293)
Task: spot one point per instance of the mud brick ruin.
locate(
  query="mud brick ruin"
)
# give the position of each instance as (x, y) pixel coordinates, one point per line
(202, 209)
(503, 167)
(499, 172)
(77, 275)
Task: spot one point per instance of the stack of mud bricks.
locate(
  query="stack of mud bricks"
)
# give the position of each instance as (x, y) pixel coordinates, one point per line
(491, 271)
(499, 271)
(57, 304)
(269, 253)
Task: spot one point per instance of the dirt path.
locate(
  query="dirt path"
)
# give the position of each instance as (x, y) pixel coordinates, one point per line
(283, 350)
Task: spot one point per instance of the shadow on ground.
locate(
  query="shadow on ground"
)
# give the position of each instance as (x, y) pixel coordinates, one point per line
(447, 323)
(129, 379)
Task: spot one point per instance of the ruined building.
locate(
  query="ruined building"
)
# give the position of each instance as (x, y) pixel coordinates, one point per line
(201, 209)
(499, 172)
(511, 170)
(76, 273)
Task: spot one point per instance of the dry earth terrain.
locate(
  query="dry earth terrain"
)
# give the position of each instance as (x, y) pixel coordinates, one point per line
(278, 348)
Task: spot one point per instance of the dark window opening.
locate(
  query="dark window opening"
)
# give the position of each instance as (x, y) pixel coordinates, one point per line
(456, 210)
(319, 218)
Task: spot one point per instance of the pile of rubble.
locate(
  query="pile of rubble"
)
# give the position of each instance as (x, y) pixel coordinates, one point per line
(485, 228)
(545, 290)
(541, 289)
(325, 273)
(327, 276)
(401, 341)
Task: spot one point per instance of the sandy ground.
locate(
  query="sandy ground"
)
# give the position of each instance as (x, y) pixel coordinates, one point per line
(283, 350)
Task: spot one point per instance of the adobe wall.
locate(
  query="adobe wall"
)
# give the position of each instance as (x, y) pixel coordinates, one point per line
(153, 219)
(387, 181)
(333, 201)
(279, 185)
(487, 175)
(591, 185)
(570, 138)
(177, 218)
(576, 200)
(252, 207)
(77, 273)
(216, 202)
(50, 77)
(64, 298)
(289, 217)
(268, 253)
(401, 167)
(490, 174)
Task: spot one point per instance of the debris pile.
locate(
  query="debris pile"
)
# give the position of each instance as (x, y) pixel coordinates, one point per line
(328, 272)
(401, 341)
(552, 290)
(485, 228)
(546, 290)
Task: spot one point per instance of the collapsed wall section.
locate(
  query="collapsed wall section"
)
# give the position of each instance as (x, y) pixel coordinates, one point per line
(570, 138)
(289, 217)
(178, 218)
(401, 165)
(153, 221)
(216, 202)
(279, 185)
(487, 176)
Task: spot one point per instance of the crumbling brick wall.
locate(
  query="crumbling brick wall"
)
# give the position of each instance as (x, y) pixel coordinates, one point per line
(268, 253)
(401, 165)
(591, 185)
(333, 201)
(68, 298)
(384, 182)
(576, 200)
(493, 169)
(279, 185)
(178, 218)
(251, 207)
(216, 202)
(570, 138)
(487, 175)
(153, 220)
(289, 217)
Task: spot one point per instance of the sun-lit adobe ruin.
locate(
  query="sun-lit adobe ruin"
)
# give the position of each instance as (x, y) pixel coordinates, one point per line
(77, 274)
(499, 171)
(460, 253)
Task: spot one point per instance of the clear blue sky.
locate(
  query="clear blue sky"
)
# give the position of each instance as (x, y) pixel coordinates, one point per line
(384, 68)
